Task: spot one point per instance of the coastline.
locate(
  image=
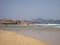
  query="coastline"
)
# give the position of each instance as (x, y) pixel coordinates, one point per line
(49, 28)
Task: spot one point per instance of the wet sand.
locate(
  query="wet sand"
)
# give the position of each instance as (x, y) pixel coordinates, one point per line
(49, 28)
(12, 38)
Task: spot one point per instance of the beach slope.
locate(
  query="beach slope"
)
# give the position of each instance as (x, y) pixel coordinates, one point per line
(12, 38)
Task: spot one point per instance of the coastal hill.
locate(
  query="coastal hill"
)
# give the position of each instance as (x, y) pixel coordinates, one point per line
(45, 21)
(30, 22)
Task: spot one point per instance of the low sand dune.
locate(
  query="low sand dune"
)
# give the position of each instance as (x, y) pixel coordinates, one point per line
(11, 38)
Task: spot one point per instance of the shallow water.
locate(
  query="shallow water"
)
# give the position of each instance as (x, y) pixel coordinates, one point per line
(50, 37)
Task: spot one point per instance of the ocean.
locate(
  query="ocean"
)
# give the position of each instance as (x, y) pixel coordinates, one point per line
(41, 32)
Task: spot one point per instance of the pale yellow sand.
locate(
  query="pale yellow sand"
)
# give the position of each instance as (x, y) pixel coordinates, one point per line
(11, 38)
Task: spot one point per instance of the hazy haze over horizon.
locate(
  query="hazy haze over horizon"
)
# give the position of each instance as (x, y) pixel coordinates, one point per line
(29, 9)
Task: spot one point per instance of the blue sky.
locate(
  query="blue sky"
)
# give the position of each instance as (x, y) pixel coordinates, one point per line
(29, 9)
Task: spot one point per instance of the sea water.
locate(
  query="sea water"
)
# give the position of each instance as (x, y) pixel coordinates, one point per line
(50, 37)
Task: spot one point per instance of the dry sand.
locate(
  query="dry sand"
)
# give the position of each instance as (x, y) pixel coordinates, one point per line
(12, 38)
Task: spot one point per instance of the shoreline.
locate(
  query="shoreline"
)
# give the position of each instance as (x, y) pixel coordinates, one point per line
(49, 28)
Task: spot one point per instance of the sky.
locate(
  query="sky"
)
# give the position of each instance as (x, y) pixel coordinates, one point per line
(29, 9)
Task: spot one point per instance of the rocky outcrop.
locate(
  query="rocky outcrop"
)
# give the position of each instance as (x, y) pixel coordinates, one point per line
(18, 22)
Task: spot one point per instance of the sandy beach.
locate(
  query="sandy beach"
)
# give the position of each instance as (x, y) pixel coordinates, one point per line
(12, 38)
(39, 35)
